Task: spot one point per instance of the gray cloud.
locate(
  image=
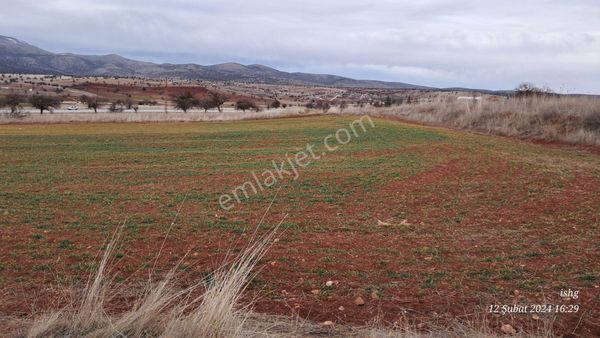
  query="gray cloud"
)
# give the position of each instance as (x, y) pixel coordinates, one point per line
(431, 42)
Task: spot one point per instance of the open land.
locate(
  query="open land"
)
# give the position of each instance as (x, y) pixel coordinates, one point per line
(424, 223)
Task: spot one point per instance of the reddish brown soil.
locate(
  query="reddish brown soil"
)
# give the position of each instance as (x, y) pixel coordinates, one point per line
(471, 230)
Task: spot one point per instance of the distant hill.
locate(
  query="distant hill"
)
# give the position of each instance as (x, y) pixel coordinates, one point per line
(20, 57)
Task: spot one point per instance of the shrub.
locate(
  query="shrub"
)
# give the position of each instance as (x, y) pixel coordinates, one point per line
(530, 90)
(592, 121)
(322, 105)
(275, 104)
(116, 107)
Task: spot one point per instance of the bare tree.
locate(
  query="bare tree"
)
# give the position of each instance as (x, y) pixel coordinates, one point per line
(206, 104)
(244, 105)
(218, 99)
(92, 103)
(129, 103)
(42, 102)
(185, 101)
(13, 101)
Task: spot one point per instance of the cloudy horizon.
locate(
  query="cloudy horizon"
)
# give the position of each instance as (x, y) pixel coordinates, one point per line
(435, 43)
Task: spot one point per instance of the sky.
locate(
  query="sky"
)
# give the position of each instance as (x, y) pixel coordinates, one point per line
(440, 43)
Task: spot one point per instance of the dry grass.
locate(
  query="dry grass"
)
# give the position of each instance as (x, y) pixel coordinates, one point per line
(176, 116)
(209, 308)
(573, 119)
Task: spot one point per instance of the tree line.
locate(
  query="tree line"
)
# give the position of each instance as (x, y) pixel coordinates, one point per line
(184, 102)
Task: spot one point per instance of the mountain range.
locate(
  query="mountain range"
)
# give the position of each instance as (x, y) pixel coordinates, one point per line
(20, 57)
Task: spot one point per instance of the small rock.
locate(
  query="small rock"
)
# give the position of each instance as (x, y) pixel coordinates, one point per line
(329, 284)
(315, 291)
(508, 329)
(535, 317)
(374, 295)
(420, 326)
(516, 292)
(341, 308)
(359, 301)
(328, 323)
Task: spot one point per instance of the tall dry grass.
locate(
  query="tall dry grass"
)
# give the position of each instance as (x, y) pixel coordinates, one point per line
(209, 308)
(173, 116)
(573, 119)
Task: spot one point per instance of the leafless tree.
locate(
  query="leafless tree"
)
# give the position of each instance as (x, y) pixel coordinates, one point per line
(13, 101)
(42, 102)
(218, 99)
(91, 102)
(206, 104)
(185, 101)
(244, 105)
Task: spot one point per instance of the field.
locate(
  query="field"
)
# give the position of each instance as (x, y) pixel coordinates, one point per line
(425, 224)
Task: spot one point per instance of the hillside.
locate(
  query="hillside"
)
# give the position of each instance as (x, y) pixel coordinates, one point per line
(20, 57)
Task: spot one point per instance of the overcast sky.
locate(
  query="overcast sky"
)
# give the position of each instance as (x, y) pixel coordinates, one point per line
(442, 43)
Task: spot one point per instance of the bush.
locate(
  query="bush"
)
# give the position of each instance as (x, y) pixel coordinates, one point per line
(322, 105)
(276, 104)
(117, 107)
(530, 90)
(592, 121)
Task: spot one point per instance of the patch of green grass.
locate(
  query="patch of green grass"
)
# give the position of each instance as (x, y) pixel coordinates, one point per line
(66, 244)
(432, 279)
(511, 273)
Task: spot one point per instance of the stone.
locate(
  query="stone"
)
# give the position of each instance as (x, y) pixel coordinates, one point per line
(359, 301)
